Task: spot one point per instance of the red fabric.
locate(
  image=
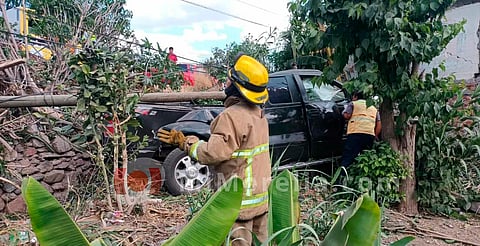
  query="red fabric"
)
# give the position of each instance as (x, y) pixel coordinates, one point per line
(172, 57)
(189, 78)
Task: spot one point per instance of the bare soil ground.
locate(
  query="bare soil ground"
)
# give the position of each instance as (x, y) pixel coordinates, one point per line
(432, 230)
(164, 217)
(157, 221)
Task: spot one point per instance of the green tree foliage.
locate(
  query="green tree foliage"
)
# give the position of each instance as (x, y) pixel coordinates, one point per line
(300, 43)
(388, 40)
(64, 27)
(63, 20)
(107, 78)
(54, 227)
(222, 59)
(383, 42)
(283, 57)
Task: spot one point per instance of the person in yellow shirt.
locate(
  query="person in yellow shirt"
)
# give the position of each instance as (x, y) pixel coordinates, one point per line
(364, 126)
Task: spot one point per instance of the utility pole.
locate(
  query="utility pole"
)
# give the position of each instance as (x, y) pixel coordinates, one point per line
(25, 28)
(71, 100)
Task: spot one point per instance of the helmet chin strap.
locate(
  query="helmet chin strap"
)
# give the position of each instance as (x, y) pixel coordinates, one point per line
(232, 91)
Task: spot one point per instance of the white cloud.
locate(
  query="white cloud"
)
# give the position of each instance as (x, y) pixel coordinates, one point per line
(182, 25)
(196, 33)
(179, 43)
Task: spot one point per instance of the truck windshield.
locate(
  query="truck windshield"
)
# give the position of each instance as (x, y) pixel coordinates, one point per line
(323, 92)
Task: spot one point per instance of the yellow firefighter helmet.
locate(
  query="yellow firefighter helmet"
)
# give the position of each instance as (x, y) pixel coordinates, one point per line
(251, 78)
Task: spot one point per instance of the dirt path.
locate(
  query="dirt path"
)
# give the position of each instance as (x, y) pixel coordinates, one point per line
(432, 230)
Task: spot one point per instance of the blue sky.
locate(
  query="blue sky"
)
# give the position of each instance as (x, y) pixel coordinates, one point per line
(193, 31)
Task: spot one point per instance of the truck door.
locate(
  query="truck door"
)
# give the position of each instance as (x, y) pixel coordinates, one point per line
(324, 104)
(287, 123)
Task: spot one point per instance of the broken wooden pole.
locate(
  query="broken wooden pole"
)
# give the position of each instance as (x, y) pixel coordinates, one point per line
(71, 100)
(37, 101)
(181, 97)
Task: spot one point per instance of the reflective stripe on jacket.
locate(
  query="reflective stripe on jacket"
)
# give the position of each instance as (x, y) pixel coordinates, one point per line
(363, 118)
(238, 145)
(250, 200)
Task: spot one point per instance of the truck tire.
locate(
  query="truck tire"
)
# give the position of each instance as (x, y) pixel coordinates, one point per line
(183, 175)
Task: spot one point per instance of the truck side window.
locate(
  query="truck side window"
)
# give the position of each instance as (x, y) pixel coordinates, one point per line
(278, 90)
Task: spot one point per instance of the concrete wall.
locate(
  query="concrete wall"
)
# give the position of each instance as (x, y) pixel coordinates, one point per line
(462, 54)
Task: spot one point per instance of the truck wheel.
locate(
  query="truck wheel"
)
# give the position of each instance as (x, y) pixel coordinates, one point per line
(183, 175)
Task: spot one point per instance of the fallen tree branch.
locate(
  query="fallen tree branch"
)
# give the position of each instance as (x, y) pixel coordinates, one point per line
(13, 63)
(418, 230)
(394, 229)
(440, 235)
(429, 233)
(10, 182)
(4, 112)
(453, 238)
(6, 145)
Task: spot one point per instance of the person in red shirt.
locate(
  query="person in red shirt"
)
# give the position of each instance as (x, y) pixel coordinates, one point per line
(172, 56)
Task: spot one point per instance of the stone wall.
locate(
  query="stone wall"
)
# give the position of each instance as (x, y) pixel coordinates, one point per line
(53, 162)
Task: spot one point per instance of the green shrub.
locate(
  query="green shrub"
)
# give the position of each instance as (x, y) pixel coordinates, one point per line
(328, 198)
(379, 171)
(197, 200)
(447, 161)
(447, 147)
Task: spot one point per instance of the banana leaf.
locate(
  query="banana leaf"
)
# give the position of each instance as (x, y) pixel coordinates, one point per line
(358, 225)
(211, 224)
(284, 208)
(50, 222)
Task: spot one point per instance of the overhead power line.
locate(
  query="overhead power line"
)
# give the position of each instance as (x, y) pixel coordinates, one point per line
(219, 66)
(42, 42)
(257, 7)
(224, 13)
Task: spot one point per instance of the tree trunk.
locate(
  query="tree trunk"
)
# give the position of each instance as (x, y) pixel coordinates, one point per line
(407, 149)
(405, 146)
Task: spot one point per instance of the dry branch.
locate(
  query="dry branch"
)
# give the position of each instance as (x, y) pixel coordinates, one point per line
(10, 182)
(6, 145)
(434, 234)
(9, 64)
(418, 230)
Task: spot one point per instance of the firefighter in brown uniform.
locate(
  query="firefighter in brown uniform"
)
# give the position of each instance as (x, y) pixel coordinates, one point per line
(238, 145)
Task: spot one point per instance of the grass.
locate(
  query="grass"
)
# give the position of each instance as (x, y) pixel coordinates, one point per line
(320, 198)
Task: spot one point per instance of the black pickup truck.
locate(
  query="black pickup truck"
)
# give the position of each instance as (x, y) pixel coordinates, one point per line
(305, 122)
